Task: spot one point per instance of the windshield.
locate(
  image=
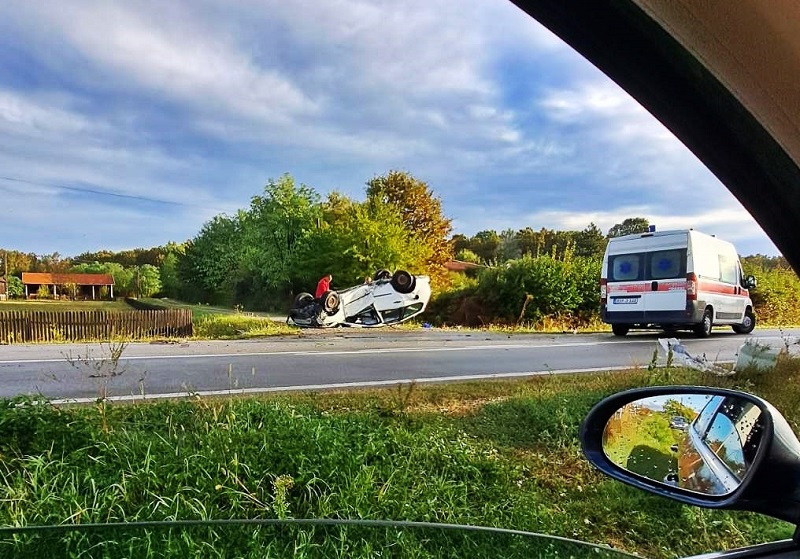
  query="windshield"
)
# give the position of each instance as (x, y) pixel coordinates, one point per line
(275, 261)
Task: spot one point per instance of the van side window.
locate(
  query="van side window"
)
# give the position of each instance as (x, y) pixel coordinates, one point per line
(728, 271)
(625, 267)
(666, 264)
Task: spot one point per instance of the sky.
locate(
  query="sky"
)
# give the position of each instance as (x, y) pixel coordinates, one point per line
(129, 124)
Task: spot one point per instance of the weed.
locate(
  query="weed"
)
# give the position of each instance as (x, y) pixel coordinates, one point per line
(500, 453)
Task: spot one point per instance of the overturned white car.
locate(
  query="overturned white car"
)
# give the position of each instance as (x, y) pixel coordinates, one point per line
(389, 299)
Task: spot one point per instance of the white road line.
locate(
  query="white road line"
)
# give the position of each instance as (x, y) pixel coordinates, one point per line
(330, 353)
(332, 386)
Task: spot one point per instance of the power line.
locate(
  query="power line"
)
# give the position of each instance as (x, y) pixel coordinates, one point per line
(106, 193)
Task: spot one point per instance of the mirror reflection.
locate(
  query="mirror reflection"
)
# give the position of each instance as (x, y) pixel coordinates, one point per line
(700, 442)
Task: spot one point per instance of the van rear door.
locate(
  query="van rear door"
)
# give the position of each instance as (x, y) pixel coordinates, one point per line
(647, 282)
(666, 272)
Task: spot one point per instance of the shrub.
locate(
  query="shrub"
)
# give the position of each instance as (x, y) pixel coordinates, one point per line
(529, 289)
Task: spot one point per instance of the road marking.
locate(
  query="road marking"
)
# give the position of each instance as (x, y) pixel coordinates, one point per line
(329, 353)
(332, 386)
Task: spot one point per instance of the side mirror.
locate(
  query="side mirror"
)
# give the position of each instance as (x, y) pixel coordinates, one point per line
(750, 282)
(708, 447)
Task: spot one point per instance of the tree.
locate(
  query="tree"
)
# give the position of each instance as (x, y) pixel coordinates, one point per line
(466, 255)
(275, 230)
(509, 248)
(212, 259)
(170, 281)
(145, 280)
(421, 213)
(628, 227)
(590, 242)
(459, 242)
(485, 244)
(355, 239)
(15, 287)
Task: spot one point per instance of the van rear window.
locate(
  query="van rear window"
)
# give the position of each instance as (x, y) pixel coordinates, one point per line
(648, 266)
(626, 267)
(666, 264)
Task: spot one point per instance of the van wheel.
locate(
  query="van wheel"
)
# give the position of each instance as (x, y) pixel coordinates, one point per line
(747, 325)
(703, 330)
(620, 329)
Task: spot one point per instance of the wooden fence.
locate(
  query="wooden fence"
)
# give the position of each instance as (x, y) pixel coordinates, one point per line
(54, 326)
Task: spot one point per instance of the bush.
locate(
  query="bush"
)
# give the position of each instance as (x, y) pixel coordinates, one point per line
(777, 297)
(529, 289)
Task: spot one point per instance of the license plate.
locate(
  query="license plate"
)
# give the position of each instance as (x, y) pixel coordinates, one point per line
(625, 300)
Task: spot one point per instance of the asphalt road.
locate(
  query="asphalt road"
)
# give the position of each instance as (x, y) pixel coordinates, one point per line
(329, 359)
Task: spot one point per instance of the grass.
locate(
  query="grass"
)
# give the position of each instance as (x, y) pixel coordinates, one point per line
(200, 310)
(46, 305)
(501, 453)
(238, 326)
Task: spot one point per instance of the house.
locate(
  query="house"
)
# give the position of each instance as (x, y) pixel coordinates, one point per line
(80, 286)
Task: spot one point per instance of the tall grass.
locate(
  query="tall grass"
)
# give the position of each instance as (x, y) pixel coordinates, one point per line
(499, 454)
(239, 326)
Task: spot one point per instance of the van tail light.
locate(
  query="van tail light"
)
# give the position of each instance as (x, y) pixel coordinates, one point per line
(603, 291)
(691, 287)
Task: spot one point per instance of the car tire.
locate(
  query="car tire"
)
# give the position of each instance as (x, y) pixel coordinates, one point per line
(330, 302)
(620, 329)
(748, 323)
(381, 275)
(403, 282)
(303, 299)
(703, 330)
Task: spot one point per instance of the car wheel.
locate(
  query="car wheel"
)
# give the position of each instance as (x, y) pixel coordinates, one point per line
(620, 329)
(330, 302)
(747, 325)
(381, 275)
(703, 330)
(303, 299)
(403, 282)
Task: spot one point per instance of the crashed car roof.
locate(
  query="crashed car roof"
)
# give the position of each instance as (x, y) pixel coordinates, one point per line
(722, 76)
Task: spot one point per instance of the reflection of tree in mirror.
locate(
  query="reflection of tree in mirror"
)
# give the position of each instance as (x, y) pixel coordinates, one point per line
(639, 439)
(676, 408)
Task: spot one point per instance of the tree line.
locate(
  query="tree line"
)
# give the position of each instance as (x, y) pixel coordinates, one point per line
(290, 236)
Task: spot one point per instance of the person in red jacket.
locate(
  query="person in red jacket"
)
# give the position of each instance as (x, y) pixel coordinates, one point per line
(323, 286)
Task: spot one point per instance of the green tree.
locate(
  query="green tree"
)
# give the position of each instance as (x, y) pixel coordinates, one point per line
(275, 230)
(422, 214)
(628, 227)
(211, 260)
(145, 280)
(355, 239)
(466, 255)
(509, 248)
(15, 287)
(590, 242)
(170, 281)
(486, 245)
(459, 242)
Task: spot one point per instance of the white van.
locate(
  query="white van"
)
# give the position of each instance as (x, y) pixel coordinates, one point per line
(674, 280)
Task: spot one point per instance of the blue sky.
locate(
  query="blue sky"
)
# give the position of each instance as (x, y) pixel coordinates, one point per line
(129, 124)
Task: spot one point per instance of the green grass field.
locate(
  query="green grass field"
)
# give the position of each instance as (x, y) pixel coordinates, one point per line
(502, 453)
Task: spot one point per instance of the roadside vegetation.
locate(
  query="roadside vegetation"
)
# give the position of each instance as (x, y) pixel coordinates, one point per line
(260, 258)
(501, 454)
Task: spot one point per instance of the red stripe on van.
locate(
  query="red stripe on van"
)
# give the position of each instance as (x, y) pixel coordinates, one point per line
(711, 286)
